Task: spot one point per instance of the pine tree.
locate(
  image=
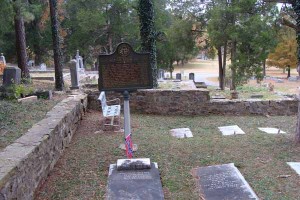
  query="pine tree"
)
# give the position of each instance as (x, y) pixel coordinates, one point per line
(55, 27)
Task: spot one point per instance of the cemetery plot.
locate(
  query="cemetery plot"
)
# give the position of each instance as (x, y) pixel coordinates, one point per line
(272, 130)
(223, 182)
(231, 130)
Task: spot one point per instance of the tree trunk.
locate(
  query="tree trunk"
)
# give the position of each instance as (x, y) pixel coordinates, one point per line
(224, 62)
(221, 80)
(148, 35)
(296, 7)
(264, 68)
(233, 60)
(21, 42)
(289, 72)
(59, 82)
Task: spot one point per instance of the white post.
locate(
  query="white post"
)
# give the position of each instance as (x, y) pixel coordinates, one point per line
(127, 127)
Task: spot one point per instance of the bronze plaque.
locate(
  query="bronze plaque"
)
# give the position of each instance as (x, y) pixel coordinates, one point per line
(124, 70)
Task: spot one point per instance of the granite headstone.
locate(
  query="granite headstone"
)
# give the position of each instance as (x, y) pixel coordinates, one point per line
(223, 182)
(137, 184)
(11, 75)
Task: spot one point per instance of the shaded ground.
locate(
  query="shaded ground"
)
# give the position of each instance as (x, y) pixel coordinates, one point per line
(82, 171)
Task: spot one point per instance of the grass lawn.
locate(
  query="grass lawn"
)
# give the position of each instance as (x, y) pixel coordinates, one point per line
(82, 171)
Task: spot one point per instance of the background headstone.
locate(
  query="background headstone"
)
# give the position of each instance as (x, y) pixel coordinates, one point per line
(43, 67)
(192, 76)
(11, 75)
(74, 74)
(178, 76)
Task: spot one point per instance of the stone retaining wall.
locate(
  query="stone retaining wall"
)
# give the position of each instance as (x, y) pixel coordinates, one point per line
(26, 163)
(197, 102)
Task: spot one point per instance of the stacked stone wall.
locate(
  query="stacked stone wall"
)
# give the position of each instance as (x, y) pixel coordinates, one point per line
(196, 102)
(27, 162)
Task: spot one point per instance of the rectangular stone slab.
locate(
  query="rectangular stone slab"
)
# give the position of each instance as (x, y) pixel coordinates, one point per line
(231, 130)
(223, 182)
(295, 166)
(134, 184)
(272, 130)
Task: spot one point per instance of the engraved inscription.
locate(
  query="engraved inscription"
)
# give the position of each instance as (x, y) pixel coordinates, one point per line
(221, 180)
(124, 69)
(136, 176)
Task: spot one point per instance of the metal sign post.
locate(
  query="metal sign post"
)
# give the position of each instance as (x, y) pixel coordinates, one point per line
(127, 127)
(124, 71)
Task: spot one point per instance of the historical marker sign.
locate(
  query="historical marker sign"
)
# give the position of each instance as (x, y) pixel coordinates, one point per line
(223, 182)
(125, 70)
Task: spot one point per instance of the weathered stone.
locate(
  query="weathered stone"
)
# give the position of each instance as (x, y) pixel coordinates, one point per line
(133, 164)
(222, 182)
(44, 94)
(181, 133)
(29, 99)
(11, 75)
(272, 130)
(74, 74)
(178, 76)
(134, 184)
(231, 130)
(295, 166)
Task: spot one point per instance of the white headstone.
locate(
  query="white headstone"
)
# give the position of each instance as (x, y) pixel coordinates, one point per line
(43, 67)
(231, 130)
(272, 130)
(181, 133)
(295, 166)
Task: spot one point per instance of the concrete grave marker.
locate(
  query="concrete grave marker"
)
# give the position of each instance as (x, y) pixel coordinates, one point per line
(136, 179)
(231, 130)
(295, 166)
(74, 74)
(181, 133)
(272, 130)
(223, 182)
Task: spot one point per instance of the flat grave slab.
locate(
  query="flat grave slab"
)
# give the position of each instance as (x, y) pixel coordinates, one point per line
(272, 130)
(231, 130)
(222, 182)
(181, 133)
(134, 184)
(295, 166)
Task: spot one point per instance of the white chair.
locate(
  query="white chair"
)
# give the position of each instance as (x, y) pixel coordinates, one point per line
(110, 112)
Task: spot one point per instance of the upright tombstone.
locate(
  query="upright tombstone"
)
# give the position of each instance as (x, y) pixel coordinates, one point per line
(79, 62)
(74, 74)
(125, 71)
(11, 75)
(2, 63)
(43, 67)
(161, 74)
(178, 76)
(192, 76)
